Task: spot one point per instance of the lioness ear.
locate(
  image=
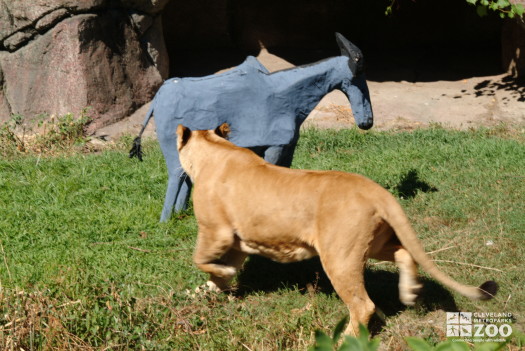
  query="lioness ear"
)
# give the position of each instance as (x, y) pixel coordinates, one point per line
(183, 135)
(223, 130)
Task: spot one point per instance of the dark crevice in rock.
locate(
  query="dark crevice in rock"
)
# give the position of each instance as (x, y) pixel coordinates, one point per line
(48, 20)
(3, 87)
(27, 33)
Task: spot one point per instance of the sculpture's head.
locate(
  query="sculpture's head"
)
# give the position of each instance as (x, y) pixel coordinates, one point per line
(354, 83)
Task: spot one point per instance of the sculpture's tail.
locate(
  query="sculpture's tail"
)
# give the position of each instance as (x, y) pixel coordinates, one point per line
(136, 149)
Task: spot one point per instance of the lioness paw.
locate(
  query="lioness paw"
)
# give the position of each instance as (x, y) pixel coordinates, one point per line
(203, 291)
(408, 293)
(211, 286)
(227, 272)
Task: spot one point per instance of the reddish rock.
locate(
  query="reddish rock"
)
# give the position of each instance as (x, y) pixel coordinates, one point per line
(154, 39)
(86, 60)
(50, 19)
(59, 56)
(15, 15)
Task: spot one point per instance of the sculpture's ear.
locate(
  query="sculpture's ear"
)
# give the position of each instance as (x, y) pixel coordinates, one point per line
(223, 130)
(183, 135)
(355, 56)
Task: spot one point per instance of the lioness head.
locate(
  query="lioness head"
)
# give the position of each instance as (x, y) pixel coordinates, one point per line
(189, 147)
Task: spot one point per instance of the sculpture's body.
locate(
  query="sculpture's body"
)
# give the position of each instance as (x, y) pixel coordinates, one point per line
(263, 110)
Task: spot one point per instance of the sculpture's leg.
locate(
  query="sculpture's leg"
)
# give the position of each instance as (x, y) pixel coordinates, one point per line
(287, 155)
(179, 184)
(273, 154)
(282, 154)
(177, 194)
(169, 199)
(259, 150)
(183, 197)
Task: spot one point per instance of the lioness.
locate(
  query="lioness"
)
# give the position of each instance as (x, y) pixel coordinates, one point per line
(245, 205)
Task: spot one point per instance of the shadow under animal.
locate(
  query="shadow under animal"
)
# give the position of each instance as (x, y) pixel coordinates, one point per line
(264, 110)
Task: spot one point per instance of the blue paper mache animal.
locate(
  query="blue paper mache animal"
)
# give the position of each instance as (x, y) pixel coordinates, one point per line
(264, 110)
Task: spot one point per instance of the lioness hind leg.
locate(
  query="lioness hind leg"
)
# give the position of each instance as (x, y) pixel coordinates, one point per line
(347, 278)
(409, 285)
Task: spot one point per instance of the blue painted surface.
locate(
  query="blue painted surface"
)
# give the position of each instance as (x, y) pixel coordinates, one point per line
(264, 110)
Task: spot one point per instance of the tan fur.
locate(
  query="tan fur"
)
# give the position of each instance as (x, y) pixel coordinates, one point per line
(245, 205)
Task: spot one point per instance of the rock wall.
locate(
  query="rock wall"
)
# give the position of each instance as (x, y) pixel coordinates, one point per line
(60, 56)
(513, 45)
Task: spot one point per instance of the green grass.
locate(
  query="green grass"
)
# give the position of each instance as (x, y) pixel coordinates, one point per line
(85, 264)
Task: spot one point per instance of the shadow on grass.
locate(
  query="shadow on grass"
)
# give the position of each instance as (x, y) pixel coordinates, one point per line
(263, 275)
(410, 184)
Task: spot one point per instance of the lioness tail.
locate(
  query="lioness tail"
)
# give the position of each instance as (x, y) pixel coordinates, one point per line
(397, 219)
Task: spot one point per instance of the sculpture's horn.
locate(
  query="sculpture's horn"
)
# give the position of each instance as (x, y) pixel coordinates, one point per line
(356, 60)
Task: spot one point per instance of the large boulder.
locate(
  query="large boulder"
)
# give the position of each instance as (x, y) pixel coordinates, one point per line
(61, 56)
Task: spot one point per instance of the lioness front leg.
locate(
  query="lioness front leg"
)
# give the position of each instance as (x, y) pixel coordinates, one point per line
(232, 258)
(211, 256)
